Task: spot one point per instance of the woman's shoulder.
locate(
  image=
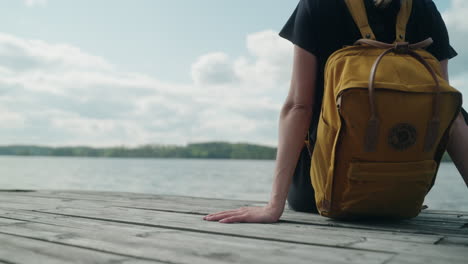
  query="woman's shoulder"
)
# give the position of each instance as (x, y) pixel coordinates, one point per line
(425, 10)
(426, 5)
(323, 9)
(323, 5)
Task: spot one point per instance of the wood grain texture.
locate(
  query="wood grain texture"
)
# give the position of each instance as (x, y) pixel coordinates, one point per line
(16, 249)
(109, 227)
(188, 247)
(426, 223)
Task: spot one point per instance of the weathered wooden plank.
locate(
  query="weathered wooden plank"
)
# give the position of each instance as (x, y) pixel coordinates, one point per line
(193, 224)
(208, 205)
(424, 224)
(188, 247)
(319, 234)
(94, 219)
(202, 205)
(445, 212)
(2, 261)
(452, 252)
(411, 259)
(459, 241)
(16, 249)
(460, 218)
(6, 221)
(294, 233)
(354, 232)
(123, 196)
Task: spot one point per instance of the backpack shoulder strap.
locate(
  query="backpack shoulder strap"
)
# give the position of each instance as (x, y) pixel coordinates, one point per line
(402, 19)
(358, 11)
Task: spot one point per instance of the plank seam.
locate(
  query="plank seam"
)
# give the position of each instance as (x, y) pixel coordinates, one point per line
(389, 259)
(352, 243)
(159, 210)
(11, 218)
(372, 229)
(26, 221)
(7, 262)
(440, 240)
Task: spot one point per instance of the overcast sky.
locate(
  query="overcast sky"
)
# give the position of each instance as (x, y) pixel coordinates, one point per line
(115, 72)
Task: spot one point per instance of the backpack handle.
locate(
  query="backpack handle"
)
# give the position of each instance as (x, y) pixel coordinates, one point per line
(372, 130)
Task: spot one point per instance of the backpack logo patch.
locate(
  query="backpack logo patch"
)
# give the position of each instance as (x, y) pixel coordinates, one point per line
(402, 136)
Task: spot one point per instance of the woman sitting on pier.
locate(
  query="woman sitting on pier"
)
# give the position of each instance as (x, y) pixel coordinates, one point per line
(318, 28)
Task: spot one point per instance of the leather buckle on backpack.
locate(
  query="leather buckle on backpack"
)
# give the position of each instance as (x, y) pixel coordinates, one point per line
(401, 47)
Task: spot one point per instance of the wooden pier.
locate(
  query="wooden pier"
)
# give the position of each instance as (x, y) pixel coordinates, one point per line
(104, 227)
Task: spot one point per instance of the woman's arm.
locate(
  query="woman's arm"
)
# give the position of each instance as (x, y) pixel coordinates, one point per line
(294, 122)
(458, 140)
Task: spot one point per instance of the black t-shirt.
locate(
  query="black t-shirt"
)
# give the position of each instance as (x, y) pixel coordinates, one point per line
(323, 26)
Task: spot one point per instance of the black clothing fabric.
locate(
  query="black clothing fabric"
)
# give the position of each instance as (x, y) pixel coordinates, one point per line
(301, 195)
(324, 26)
(465, 115)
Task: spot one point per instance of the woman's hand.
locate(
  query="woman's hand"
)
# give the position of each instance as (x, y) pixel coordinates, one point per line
(266, 214)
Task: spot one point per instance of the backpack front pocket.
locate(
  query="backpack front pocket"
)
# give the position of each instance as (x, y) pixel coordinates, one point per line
(393, 190)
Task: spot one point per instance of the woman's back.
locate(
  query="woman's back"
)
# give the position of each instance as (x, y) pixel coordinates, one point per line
(324, 26)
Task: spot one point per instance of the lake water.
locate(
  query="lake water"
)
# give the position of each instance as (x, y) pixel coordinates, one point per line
(230, 179)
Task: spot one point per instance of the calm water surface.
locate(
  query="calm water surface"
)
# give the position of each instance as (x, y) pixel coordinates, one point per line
(231, 179)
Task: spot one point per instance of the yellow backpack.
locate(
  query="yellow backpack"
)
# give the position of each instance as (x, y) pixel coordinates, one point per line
(384, 125)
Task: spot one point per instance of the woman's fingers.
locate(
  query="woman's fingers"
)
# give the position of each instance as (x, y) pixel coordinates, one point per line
(234, 219)
(244, 214)
(221, 215)
(223, 212)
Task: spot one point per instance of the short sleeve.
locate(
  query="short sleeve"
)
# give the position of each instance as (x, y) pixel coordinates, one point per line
(441, 48)
(299, 29)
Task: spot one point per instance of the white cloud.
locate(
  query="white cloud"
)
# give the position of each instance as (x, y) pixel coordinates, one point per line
(456, 20)
(23, 54)
(266, 67)
(33, 3)
(455, 17)
(460, 82)
(270, 63)
(214, 68)
(57, 94)
(54, 94)
(11, 120)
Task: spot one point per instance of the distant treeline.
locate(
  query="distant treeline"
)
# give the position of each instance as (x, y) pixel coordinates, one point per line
(211, 150)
